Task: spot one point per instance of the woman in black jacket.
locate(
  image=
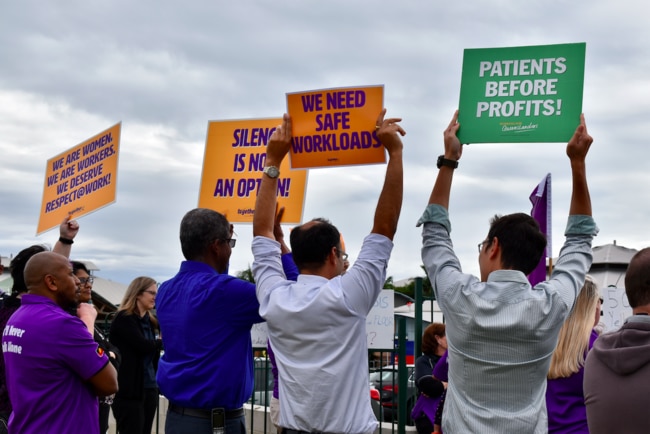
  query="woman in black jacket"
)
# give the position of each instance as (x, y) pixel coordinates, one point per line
(133, 331)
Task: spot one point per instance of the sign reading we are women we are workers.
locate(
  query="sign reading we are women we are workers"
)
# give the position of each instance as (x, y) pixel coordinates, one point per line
(80, 180)
(521, 94)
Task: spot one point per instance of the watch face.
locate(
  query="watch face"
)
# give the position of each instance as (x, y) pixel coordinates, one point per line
(272, 171)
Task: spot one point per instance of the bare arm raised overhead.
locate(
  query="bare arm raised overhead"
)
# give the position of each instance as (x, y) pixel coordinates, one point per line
(577, 150)
(389, 204)
(453, 151)
(265, 204)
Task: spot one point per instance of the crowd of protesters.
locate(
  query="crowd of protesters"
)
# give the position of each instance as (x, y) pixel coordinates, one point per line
(512, 357)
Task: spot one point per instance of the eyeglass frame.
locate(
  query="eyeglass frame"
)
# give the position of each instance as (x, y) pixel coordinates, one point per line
(86, 280)
(232, 242)
(149, 291)
(344, 256)
(480, 245)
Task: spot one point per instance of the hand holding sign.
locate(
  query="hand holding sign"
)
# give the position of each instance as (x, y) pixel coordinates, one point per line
(453, 147)
(386, 132)
(579, 144)
(68, 228)
(279, 143)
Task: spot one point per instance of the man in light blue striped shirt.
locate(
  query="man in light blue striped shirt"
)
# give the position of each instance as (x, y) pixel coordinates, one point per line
(501, 331)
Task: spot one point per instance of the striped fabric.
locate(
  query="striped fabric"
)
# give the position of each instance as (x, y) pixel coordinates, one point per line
(501, 333)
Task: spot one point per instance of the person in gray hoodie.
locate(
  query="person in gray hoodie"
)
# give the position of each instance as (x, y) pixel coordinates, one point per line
(617, 370)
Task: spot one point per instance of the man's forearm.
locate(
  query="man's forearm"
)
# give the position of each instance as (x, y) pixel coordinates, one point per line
(389, 204)
(264, 216)
(62, 249)
(580, 198)
(442, 187)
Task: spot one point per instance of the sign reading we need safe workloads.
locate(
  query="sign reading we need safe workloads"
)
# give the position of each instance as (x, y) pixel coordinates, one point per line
(235, 155)
(521, 94)
(335, 127)
(81, 179)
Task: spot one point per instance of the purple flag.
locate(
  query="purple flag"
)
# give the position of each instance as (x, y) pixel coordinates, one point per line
(541, 200)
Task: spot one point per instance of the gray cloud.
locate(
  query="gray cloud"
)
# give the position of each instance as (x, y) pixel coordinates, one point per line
(71, 69)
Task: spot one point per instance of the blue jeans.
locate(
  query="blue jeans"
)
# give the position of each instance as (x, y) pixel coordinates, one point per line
(182, 424)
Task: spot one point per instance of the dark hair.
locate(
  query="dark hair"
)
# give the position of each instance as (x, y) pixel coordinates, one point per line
(18, 267)
(429, 342)
(311, 246)
(637, 279)
(76, 266)
(201, 227)
(522, 242)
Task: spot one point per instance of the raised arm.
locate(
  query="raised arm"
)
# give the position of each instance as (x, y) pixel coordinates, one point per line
(265, 204)
(577, 150)
(67, 231)
(389, 204)
(453, 150)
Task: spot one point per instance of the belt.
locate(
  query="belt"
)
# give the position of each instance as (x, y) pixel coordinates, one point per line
(204, 414)
(293, 431)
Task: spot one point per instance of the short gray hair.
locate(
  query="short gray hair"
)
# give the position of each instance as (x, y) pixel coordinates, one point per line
(201, 227)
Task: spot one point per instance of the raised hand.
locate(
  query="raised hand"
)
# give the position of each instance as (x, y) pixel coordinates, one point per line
(453, 147)
(579, 144)
(387, 130)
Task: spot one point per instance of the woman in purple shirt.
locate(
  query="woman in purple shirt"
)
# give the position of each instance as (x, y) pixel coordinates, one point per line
(565, 401)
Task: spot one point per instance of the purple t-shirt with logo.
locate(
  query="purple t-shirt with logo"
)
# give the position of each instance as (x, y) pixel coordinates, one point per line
(49, 355)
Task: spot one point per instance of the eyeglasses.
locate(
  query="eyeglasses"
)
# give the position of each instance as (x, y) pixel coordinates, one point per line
(86, 280)
(480, 246)
(344, 256)
(231, 241)
(149, 291)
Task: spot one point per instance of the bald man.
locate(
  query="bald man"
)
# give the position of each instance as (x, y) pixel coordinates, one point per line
(55, 369)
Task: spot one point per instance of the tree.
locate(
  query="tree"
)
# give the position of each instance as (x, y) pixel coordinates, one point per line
(427, 288)
(246, 274)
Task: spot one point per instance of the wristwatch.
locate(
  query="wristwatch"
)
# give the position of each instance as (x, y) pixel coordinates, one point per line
(271, 171)
(442, 161)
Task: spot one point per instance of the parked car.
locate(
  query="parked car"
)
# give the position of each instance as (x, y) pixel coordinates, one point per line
(374, 403)
(386, 382)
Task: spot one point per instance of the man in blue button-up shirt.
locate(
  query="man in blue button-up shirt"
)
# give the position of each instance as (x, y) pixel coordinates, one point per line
(501, 331)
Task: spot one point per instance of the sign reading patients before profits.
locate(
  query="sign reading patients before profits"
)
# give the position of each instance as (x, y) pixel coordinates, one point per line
(336, 127)
(521, 94)
(81, 179)
(380, 325)
(235, 155)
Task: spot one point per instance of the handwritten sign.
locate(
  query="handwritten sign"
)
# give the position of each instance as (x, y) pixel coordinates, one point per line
(259, 335)
(336, 127)
(380, 325)
(380, 322)
(616, 308)
(521, 94)
(81, 179)
(235, 154)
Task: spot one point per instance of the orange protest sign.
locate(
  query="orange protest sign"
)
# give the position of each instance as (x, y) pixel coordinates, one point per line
(235, 153)
(81, 179)
(336, 127)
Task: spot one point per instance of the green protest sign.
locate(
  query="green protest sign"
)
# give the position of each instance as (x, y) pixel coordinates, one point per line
(521, 94)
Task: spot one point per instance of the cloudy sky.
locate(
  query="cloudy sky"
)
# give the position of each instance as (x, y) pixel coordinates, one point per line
(70, 69)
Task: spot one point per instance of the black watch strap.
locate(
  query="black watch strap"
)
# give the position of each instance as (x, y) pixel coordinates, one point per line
(442, 161)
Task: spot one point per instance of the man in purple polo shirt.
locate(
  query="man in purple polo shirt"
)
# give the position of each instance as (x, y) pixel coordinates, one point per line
(55, 369)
